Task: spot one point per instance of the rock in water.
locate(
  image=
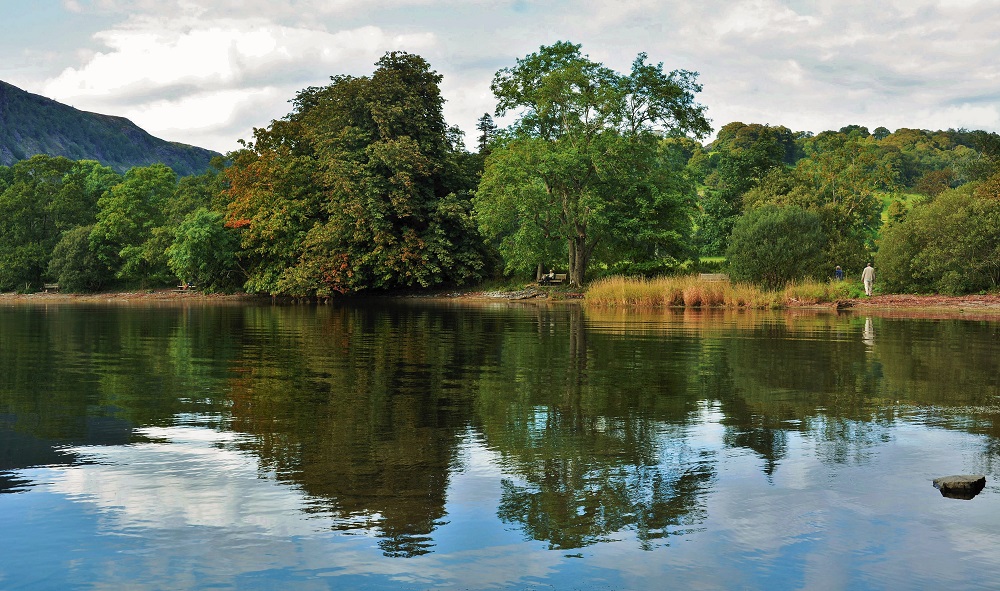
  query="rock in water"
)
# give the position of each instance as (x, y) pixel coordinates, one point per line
(960, 486)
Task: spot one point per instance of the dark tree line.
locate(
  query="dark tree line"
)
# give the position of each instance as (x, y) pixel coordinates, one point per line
(86, 227)
(363, 186)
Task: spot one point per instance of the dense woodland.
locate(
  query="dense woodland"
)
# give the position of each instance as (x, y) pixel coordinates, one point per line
(364, 187)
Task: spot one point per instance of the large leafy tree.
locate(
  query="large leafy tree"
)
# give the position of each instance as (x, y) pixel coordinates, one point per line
(361, 186)
(745, 153)
(125, 235)
(27, 232)
(748, 151)
(583, 172)
(75, 266)
(203, 251)
(272, 201)
(847, 181)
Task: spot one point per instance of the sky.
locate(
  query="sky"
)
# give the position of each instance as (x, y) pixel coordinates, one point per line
(207, 72)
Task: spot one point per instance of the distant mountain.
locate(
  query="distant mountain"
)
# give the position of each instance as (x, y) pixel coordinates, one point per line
(31, 124)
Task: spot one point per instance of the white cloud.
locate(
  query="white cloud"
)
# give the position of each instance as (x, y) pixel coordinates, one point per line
(212, 118)
(761, 18)
(185, 77)
(195, 484)
(203, 500)
(200, 70)
(224, 55)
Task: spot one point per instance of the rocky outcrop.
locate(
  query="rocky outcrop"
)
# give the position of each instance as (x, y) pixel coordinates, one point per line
(960, 486)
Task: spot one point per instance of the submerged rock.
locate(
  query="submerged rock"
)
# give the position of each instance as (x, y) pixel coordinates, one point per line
(960, 486)
(523, 294)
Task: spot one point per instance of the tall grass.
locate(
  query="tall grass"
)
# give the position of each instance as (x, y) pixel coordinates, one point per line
(818, 292)
(692, 291)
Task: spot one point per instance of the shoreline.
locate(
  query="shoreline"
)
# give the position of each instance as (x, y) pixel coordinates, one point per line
(126, 297)
(968, 306)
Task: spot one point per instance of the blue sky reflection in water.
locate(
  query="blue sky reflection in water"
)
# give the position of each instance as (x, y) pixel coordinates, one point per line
(758, 481)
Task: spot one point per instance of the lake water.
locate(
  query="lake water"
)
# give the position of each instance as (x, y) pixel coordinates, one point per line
(416, 445)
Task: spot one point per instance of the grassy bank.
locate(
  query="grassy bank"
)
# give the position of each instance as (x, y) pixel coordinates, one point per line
(693, 291)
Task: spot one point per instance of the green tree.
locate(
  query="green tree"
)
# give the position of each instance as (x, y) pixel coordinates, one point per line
(204, 251)
(984, 161)
(921, 152)
(75, 203)
(745, 155)
(125, 235)
(771, 246)
(950, 244)
(487, 133)
(847, 181)
(271, 199)
(359, 187)
(75, 266)
(583, 168)
(42, 197)
(855, 130)
(195, 195)
(842, 180)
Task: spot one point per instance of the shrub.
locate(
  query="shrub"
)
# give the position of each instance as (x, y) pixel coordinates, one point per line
(771, 246)
(74, 266)
(203, 251)
(949, 245)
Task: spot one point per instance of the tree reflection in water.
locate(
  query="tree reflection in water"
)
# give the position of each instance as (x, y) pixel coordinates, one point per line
(586, 448)
(363, 411)
(592, 416)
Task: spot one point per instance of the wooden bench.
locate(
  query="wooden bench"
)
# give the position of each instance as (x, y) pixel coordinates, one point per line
(50, 287)
(555, 280)
(713, 277)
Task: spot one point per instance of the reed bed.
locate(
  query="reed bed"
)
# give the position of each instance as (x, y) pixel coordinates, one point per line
(694, 291)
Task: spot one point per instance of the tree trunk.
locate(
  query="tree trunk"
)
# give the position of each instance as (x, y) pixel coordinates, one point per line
(577, 260)
(571, 271)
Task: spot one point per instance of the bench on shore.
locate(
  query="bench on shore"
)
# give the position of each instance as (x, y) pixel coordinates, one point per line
(713, 277)
(50, 287)
(555, 279)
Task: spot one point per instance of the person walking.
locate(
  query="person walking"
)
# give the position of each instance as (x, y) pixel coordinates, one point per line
(838, 273)
(868, 277)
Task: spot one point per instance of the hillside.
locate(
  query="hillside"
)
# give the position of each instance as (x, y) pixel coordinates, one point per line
(31, 124)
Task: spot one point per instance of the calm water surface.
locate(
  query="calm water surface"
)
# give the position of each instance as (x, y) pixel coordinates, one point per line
(426, 446)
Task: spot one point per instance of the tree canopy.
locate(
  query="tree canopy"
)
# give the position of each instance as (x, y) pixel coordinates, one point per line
(364, 186)
(950, 244)
(361, 186)
(43, 197)
(583, 172)
(743, 155)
